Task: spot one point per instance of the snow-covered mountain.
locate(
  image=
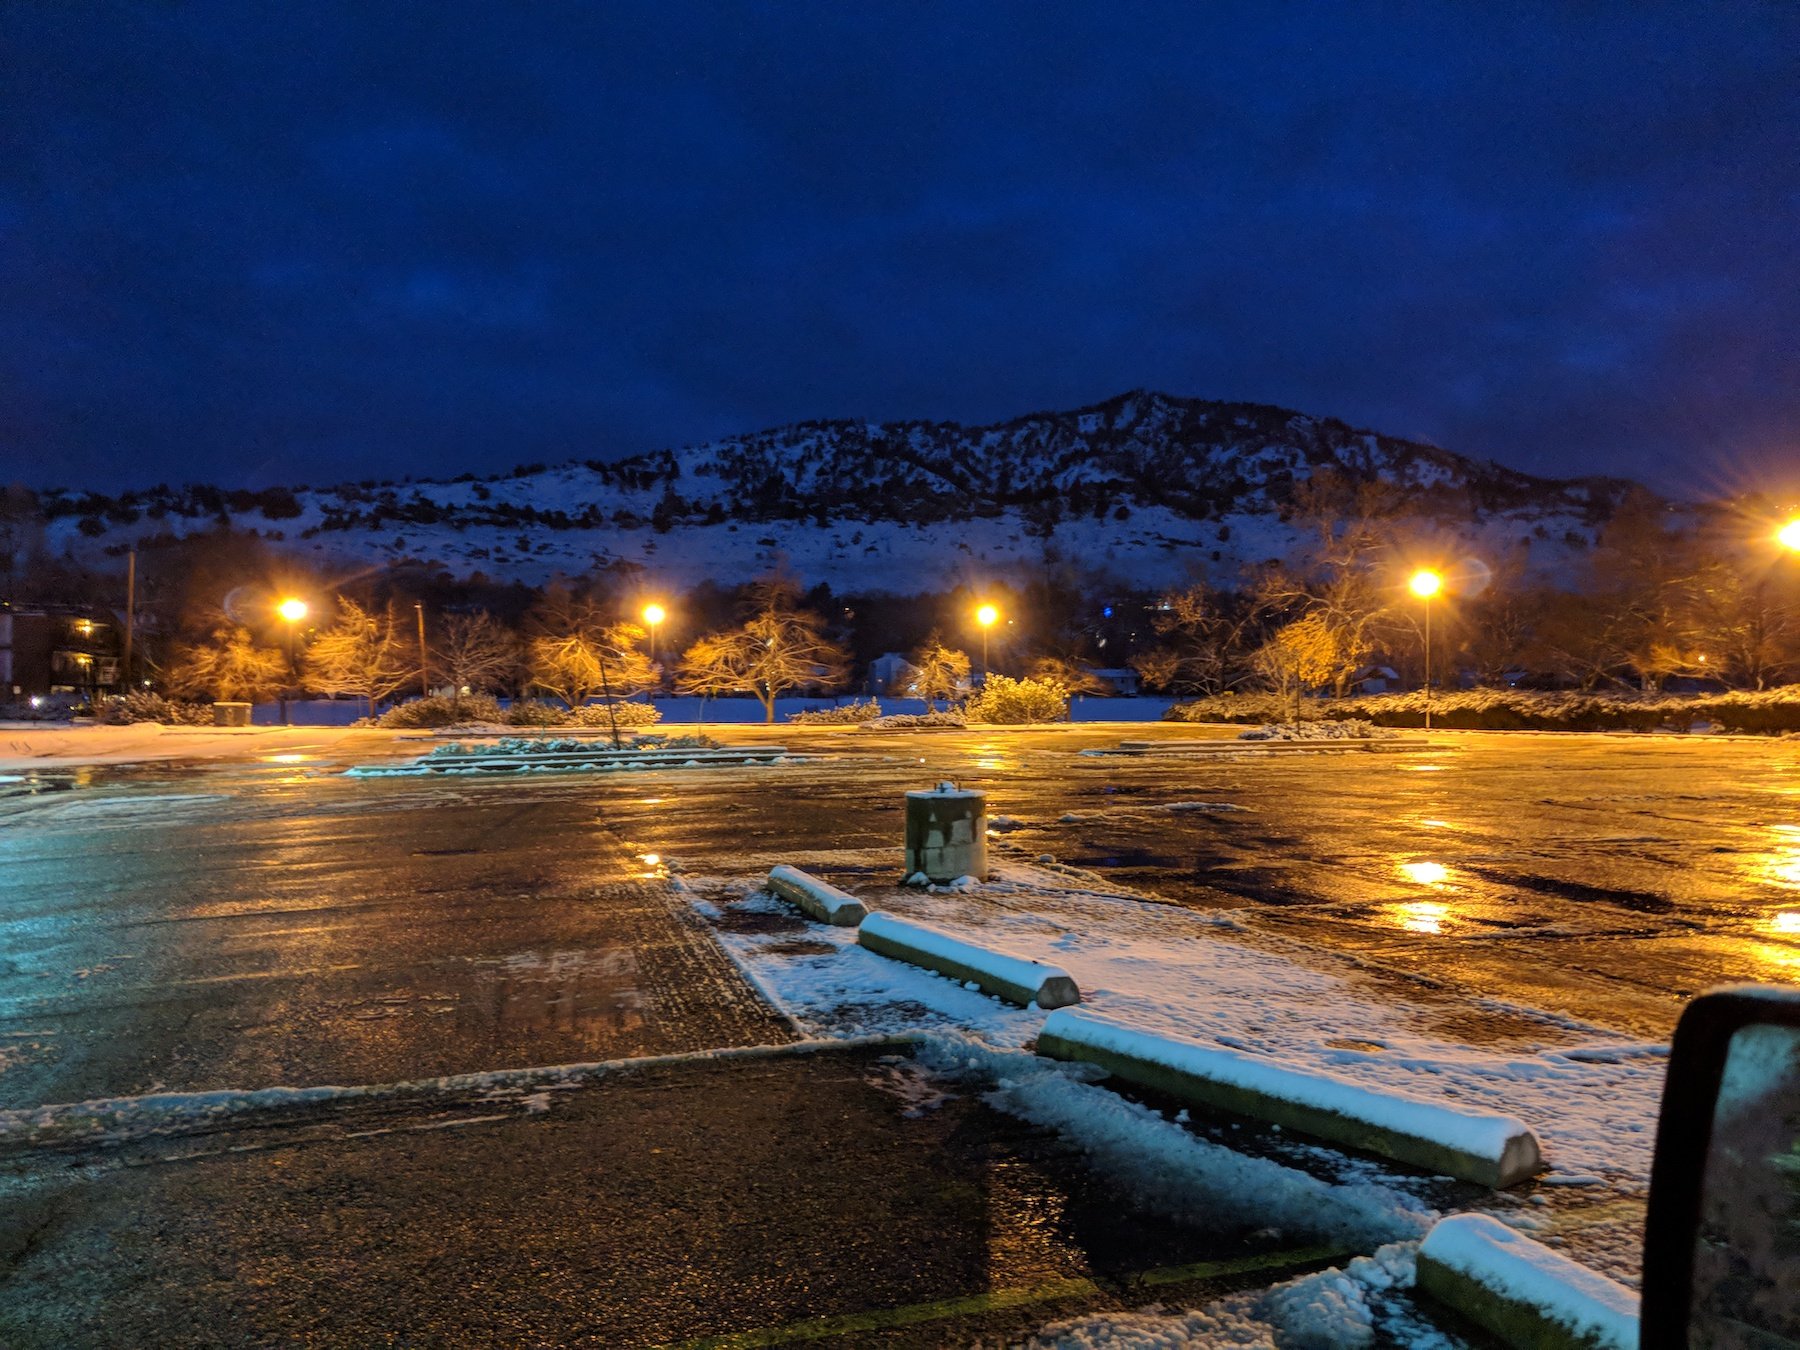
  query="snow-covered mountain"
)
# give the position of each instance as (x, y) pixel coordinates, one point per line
(1145, 486)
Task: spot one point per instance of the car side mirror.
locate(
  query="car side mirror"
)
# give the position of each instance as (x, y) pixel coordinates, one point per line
(1722, 1236)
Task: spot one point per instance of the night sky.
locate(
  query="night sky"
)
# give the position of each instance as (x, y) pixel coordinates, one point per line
(256, 243)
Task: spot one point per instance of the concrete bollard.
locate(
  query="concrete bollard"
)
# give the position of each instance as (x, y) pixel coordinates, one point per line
(946, 833)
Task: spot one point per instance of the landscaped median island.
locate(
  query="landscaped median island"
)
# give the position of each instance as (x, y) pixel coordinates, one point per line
(517, 754)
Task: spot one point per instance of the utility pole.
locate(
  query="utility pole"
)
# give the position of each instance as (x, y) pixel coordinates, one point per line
(424, 661)
(125, 680)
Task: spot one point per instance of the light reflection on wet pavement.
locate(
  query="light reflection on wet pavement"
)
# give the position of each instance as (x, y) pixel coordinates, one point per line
(185, 927)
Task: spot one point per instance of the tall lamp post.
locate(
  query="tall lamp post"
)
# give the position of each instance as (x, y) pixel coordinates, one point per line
(986, 617)
(1426, 583)
(424, 660)
(291, 610)
(653, 617)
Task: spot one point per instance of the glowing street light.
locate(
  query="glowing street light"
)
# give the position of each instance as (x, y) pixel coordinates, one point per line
(1426, 583)
(653, 616)
(986, 616)
(291, 610)
(1788, 536)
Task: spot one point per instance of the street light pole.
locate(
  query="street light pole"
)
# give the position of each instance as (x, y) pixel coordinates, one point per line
(1428, 663)
(424, 661)
(291, 612)
(653, 617)
(1426, 583)
(985, 617)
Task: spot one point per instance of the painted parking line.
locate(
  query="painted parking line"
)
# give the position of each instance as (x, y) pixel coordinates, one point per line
(1003, 1300)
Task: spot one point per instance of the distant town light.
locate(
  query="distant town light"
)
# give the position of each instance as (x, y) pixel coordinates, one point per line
(1788, 536)
(1426, 583)
(292, 610)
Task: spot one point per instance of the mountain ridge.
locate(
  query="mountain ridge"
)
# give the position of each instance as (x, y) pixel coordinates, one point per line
(1168, 463)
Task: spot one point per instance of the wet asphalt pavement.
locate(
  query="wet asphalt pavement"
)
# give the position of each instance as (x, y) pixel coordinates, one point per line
(245, 925)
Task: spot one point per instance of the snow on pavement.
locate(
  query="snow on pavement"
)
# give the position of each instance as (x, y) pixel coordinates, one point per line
(1590, 1093)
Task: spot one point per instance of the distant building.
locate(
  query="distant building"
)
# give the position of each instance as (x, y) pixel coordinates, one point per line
(50, 650)
(892, 674)
(1375, 680)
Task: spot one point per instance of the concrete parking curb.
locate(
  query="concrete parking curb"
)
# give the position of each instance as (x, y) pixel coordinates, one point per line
(823, 901)
(1490, 1150)
(1017, 979)
(1522, 1291)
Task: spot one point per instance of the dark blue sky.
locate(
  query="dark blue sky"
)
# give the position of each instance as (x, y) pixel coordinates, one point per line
(256, 243)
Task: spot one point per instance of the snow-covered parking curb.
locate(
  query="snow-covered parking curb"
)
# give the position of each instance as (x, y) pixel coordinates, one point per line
(1521, 1290)
(820, 899)
(1017, 979)
(1491, 1150)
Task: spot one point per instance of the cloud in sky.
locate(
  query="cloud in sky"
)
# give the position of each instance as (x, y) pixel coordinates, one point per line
(263, 244)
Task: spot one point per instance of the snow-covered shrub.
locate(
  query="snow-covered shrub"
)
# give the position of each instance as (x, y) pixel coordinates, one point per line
(854, 713)
(1350, 729)
(1001, 699)
(1253, 707)
(616, 714)
(659, 741)
(903, 721)
(1769, 710)
(441, 711)
(142, 705)
(531, 712)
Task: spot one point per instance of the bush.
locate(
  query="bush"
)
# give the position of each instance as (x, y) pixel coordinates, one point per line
(1001, 699)
(854, 713)
(531, 712)
(439, 711)
(901, 721)
(140, 705)
(1766, 711)
(1350, 729)
(621, 715)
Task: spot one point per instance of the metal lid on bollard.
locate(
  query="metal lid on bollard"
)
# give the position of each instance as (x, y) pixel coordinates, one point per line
(946, 789)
